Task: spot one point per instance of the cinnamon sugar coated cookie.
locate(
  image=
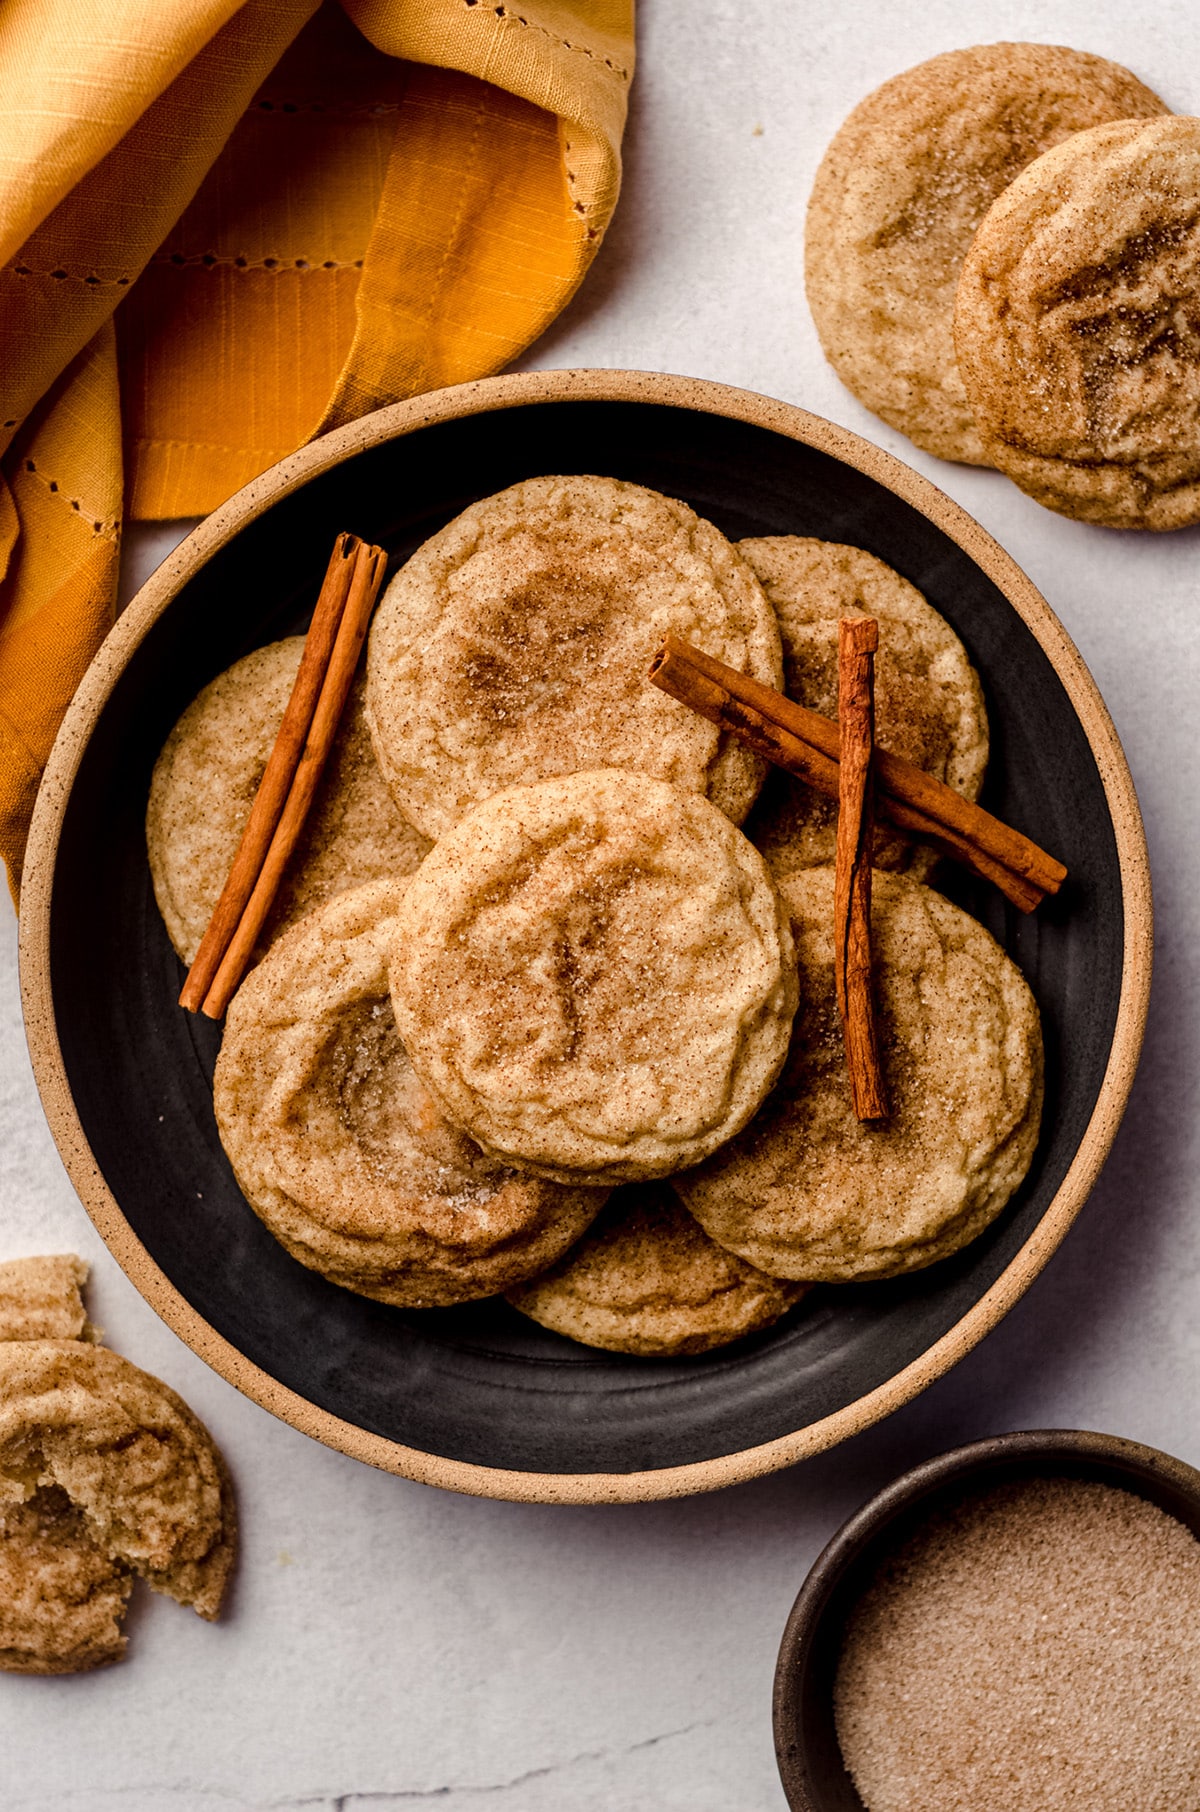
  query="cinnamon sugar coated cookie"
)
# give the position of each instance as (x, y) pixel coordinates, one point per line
(594, 977)
(514, 645)
(339, 1149)
(808, 1191)
(1078, 326)
(929, 705)
(105, 1474)
(647, 1279)
(204, 785)
(898, 197)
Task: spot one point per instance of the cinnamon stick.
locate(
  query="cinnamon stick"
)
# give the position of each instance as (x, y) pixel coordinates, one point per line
(808, 745)
(858, 639)
(278, 774)
(366, 578)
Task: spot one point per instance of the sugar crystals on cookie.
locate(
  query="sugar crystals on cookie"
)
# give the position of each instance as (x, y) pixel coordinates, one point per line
(511, 648)
(594, 977)
(897, 199)
(1078, 326)
(339, 1148)
(807, 1191)
(647, 1279)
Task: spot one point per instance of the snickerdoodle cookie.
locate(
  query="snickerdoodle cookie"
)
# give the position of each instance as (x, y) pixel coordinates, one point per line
(1078, 326)
(594, 976)
(647, 1279)
(808, 1191)
(898, 196)
(928, 701)
(339, 1149)
(513, 646)
(204, 784)
(105, 1474)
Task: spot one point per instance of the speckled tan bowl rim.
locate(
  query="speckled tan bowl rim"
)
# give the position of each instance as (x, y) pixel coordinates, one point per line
(508, 392)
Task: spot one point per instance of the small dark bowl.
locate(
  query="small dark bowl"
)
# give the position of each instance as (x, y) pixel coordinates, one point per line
(810, 1761)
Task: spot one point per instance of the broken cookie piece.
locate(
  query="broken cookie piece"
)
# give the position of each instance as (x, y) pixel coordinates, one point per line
(104, 1474)
(40, 1299)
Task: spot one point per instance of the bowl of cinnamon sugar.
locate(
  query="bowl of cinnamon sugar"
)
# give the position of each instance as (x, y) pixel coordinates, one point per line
(1010, 1627)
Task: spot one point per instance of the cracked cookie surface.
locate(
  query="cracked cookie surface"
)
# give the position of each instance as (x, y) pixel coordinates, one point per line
(514, 646)
(808, 1191)
(203, 788)
(1078, 326)
(896, 202)
(929, 705)
(338, 1147)
(594, 977)
(647, 1279)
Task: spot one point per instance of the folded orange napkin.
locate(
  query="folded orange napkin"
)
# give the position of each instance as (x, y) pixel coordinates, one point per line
(228, 225)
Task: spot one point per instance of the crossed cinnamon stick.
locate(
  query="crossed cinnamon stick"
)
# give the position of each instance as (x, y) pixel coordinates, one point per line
(840, 759)
(858, 639)
(808, 745)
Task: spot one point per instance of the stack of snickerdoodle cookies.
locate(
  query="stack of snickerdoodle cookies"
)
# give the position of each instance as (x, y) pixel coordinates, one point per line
(581, 1049)
(1003, 261)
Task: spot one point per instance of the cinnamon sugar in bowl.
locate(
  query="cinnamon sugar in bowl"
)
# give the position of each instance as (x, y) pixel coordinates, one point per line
(1012, 1627)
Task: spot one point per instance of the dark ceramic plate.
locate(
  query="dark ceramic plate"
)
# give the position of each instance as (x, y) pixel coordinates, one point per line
(479, 1398)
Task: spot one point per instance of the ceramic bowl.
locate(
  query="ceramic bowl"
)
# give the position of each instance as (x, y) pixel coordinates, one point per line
(810, 1762)
(478, 1398)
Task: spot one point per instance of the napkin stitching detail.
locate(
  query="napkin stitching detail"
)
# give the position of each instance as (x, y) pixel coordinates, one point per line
(212, 446)
(52, 484)
(582, 50)
(579, 206)
(91, 279)
(210, 260)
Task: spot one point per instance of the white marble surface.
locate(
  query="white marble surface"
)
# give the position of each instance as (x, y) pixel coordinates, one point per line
(391, 1646)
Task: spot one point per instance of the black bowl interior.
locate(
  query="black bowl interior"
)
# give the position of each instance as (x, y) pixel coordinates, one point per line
(810, 1762)
(479, 1383)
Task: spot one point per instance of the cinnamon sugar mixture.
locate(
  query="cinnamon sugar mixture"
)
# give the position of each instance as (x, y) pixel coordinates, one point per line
(1036, 1649)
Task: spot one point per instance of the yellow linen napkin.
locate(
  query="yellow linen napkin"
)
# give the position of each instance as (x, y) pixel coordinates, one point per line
(228, 225)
